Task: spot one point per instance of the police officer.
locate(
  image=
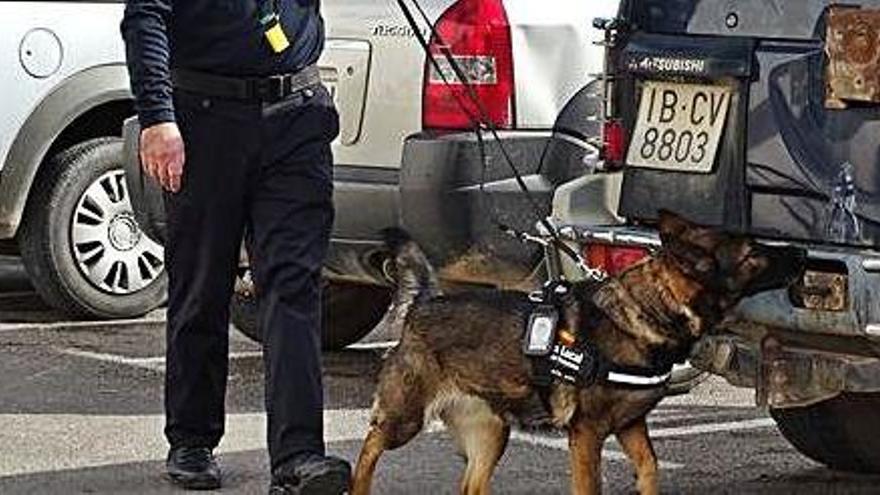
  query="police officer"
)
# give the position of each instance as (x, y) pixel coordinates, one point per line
(236, 126)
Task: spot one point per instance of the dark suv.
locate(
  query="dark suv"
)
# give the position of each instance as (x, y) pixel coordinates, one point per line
(761, 117)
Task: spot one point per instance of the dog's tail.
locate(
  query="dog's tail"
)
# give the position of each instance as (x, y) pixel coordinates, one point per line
(413, 272)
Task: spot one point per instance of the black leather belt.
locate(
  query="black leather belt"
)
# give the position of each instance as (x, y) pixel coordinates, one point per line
(265, 89)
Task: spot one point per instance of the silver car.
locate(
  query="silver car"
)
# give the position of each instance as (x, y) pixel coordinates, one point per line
(407, 153)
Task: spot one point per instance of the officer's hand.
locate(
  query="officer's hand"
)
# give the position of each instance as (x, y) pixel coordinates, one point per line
(162, 154)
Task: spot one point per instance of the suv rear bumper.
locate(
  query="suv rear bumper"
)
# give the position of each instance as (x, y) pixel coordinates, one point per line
(452, 206)
(456, 191)
(792, 356)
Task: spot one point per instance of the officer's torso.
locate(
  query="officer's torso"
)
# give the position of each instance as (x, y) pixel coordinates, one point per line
(226, 37)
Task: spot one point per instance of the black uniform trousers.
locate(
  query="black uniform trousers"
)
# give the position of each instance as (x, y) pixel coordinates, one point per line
(264, 169)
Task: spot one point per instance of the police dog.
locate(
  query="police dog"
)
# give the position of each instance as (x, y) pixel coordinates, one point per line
(460, 358)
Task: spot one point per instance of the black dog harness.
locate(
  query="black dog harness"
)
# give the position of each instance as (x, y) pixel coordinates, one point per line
(558, 355)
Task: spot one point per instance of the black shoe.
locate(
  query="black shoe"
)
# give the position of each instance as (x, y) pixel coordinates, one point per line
(193, 468)
(312, 474)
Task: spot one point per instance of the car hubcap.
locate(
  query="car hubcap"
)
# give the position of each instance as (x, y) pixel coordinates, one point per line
(110, 249)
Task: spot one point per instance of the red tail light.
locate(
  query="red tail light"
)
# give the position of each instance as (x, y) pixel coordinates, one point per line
(477, 34)
(613, 259)
(613, 143)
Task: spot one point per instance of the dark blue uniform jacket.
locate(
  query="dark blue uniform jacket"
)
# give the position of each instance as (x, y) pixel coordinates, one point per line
(221, 37)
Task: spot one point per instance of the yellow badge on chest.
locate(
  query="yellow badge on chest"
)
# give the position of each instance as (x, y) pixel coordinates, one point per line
(276, 37)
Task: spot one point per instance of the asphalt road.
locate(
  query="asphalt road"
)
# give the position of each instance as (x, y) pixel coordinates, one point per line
(81, 412)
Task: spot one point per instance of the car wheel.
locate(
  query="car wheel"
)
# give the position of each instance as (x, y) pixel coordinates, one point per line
(350, 311)
(79, 240)
(840, 432)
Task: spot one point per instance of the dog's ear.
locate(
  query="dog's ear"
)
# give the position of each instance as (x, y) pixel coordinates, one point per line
(671, 226)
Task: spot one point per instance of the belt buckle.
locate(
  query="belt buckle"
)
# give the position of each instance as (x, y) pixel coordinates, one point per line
(273, 88)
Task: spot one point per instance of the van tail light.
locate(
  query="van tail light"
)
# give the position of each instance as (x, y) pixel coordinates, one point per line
(613, 144)
(477, 35)
(613, 259)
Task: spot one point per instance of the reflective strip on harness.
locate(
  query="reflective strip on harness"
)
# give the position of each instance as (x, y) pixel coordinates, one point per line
(638, 380)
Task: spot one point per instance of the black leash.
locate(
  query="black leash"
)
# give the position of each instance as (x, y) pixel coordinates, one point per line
(481, 121)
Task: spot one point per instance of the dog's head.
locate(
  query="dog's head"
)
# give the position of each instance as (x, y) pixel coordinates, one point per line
(732, 266)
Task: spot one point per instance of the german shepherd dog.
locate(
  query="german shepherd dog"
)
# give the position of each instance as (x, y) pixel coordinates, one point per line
(461, 360)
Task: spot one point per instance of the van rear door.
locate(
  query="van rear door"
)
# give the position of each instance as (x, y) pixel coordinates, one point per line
(785, 151)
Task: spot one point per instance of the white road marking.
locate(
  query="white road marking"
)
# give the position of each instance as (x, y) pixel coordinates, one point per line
(562, 444)
(35, 443)
(702, 429)
(657, 418)
(152, 363)
(157, 363)
(655, 433)
(73, 325)
(53, 442)
(666, 410)
(247, 431)
(157, 317)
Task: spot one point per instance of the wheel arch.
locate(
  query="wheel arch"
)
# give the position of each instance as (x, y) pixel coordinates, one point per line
(90, 103)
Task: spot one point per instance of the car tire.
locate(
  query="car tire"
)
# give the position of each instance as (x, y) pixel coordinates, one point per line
(840, 432)
(350, 312)
(80, 245)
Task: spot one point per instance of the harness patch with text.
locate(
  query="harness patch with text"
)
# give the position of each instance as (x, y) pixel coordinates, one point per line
(578, 366)
(558, 355)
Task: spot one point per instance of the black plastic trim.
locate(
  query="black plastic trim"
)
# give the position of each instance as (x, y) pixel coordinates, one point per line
(692, 56)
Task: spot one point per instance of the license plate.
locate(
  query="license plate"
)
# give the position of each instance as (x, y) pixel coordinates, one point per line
(679, 126)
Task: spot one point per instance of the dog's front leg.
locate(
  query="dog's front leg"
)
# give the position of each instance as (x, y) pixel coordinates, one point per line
(585, 446)
(637, 445)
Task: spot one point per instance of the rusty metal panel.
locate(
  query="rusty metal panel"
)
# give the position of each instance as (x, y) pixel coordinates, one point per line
(852, 44)
(821, 291)
(781, 374)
